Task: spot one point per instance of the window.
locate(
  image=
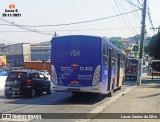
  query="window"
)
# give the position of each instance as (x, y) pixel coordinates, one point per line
(34, 50)
(17, 76)
(122, 61)
(35, 75)
(105, 55)
(114, 57)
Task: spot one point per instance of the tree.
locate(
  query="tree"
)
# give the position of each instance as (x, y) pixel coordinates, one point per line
(117, 43)
(135, 39)
(153, 47)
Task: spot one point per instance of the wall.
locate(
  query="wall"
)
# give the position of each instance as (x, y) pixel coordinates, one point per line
(37, 65)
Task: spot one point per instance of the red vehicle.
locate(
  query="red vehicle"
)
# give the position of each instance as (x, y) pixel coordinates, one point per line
(131, 69)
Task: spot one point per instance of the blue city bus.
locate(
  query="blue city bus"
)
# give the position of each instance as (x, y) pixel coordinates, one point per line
(81, 64)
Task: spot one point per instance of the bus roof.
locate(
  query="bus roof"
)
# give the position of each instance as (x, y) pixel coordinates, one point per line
(89, 36)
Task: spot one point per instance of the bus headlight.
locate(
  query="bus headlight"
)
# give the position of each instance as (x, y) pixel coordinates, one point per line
(53, 75)
(96, 76)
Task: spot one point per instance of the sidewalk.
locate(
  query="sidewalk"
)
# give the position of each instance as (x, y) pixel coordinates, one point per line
(141, 99)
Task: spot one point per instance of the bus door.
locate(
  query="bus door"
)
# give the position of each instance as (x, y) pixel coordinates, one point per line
(109, 68)
(118, 69)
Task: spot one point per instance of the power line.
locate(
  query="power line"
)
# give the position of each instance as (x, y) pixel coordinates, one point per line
(9, 35)
(136, 13)
(75, 30)
(122, 16)
(133, 4)
(65, 24)
(139, 2)
(127, 17)
(114, 9)
(22, 27)
(150, 18)
(7, 41)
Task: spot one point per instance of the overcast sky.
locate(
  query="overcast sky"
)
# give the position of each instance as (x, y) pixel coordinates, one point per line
(62, 12)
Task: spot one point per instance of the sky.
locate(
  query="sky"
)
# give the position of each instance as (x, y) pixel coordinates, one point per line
(40, 19)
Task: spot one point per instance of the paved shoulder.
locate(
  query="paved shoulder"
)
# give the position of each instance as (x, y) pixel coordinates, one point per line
(141, 99)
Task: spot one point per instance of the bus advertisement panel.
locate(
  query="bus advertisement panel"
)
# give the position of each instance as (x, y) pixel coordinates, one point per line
(78, 64)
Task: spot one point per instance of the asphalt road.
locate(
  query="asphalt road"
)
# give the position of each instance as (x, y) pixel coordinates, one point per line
(60, 102)
(57, 102)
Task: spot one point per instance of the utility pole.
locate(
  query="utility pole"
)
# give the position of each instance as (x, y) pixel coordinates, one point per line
(55, 34)
(141, 44)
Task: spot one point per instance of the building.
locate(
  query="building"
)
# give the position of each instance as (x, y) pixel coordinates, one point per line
(16, 54)
(40, 52)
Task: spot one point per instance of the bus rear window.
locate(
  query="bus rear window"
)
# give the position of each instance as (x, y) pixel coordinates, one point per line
(75, 49)
(132, 61)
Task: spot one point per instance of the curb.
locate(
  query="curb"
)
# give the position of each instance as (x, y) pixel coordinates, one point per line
(101, 108)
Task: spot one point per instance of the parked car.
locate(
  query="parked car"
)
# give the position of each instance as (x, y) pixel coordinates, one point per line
(131, 68)
(26, 82)
(153, 68)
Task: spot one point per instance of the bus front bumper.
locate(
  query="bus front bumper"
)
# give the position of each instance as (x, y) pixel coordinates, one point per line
(91, 89)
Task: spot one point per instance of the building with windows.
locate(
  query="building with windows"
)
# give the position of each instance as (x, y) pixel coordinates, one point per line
(40, 52)
(16, 54)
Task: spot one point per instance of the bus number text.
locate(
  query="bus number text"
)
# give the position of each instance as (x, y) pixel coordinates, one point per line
(86, 68)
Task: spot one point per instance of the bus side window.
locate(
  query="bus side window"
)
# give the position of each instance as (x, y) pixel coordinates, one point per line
(105, 55)
(114, 57)
(122, 61)
(113, 63)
